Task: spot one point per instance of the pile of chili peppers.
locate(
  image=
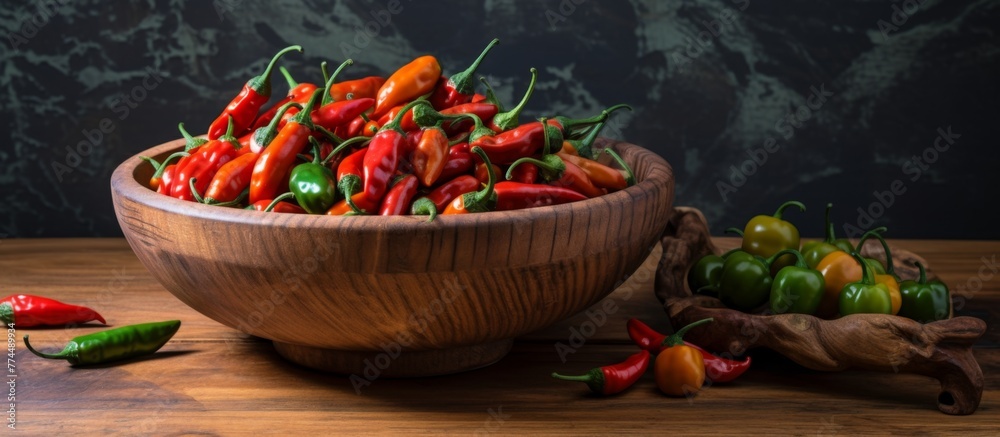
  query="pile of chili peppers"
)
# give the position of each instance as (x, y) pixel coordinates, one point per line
(826, 278)
(415, 142)
(681, 368)
(27, 311)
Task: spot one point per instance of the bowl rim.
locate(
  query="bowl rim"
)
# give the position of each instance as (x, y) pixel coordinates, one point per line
(125, 184)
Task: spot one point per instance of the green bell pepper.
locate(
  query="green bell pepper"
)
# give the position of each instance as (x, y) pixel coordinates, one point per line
(704, 274)
(873, 263)
(313, 183)
(865, 296)
(796, 288)
(767, 235)
(745, 281)
(925, 301)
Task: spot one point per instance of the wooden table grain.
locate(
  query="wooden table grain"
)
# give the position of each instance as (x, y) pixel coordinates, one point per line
(213, 380)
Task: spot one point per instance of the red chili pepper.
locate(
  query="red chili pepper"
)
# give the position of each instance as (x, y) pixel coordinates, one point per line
(485, 112)
(509, 146)
(297, 92)
(459, 88)
(231, 180)
(383, 157)
(159, 168)
(476, 201)
(338, 113)
(449, 191)
(459, 162)
(515, 195)
(476, 98)
(202, 165)
(245, 106)
(276, 205)
(526, 173)
(717, 369)
(608, 380)
(263, 136)
(397, 200)
(275, 161)
(365, 88)
(482, 172)
(167, 179)
(26, 311)
(409, 82)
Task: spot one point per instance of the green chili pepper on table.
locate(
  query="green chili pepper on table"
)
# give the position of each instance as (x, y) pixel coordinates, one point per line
(767, 235)
(796, 288)
(865, 296)
(923, 300)
(114, 344)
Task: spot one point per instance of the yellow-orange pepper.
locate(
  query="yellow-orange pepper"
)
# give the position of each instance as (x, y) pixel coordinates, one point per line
(894, 295)
(409, 82)
(680, 369)
(838, 269)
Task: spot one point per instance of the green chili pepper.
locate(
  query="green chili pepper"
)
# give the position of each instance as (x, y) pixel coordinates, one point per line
(745, 281)
(767, 235)
(114, 344)
(865, 296)
(705, 273)
(924, 301)
(313, 183)
(797, 288)
(814, 251)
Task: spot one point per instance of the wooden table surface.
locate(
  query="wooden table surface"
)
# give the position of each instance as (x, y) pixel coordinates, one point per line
(213, 380)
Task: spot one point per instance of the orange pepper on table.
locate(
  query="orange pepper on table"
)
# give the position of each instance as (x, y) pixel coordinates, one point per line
(412, 80)
(680, 369)
(838, 269)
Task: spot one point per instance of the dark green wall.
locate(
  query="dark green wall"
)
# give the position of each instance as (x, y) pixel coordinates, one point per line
(839, 101)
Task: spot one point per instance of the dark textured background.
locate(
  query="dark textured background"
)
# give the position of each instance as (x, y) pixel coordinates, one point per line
(704, 107)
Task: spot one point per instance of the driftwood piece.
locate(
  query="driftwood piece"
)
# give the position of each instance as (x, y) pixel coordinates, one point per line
(942, 350)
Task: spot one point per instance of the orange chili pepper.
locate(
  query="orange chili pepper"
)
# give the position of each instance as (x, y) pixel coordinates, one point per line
(409, 82)
(601, 175)
(358, 88)
(430, 155)
(680, 369)
(275, 161)
(370, 129)
(231, 179)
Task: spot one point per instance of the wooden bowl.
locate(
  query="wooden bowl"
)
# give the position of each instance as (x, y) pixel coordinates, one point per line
(887, 343)
(393, 296)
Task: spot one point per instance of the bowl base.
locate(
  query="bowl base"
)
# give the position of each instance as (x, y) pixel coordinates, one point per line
(395, 362)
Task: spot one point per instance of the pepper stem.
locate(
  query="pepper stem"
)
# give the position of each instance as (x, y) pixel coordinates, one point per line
(7, 313)
(491, 96)
(509, 119)
(288, 77)
(262, 84)
(344, 145)
(264, 135)
(161, 167)
(877, 233)
(629, 175)
(398, 119)
(348, 186)
(483, 200)
(304, 116)
(274, 203)
(228, 136)
(424, 206)
(192, 142)
(867, 275)
(830, 235)
(551, 171)
(462, 81)
(678, 337)
(593, 378)
(58, 356)
(923, 273)
(316, 150)
(327, 97)
(800, 261)
(194, 191)
(735, 230)
(781, 209)
(584, 146)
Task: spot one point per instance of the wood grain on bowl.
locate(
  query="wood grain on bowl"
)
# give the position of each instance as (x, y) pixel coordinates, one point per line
(878, 342)
(360, 284)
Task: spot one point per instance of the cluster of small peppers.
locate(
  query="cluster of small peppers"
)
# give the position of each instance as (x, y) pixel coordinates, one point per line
(680, 368)
(28, 311)
(825, 278)
(416, 142)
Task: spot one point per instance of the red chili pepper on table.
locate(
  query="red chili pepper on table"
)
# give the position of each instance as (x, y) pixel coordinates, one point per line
(358, 88)
(409, 82)
(275, 161)
(247, 104)
(397, 200)
(615, 378)
(196, 173)
(26, 311)
(297, 92)
(459, 88)
(717, 369)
